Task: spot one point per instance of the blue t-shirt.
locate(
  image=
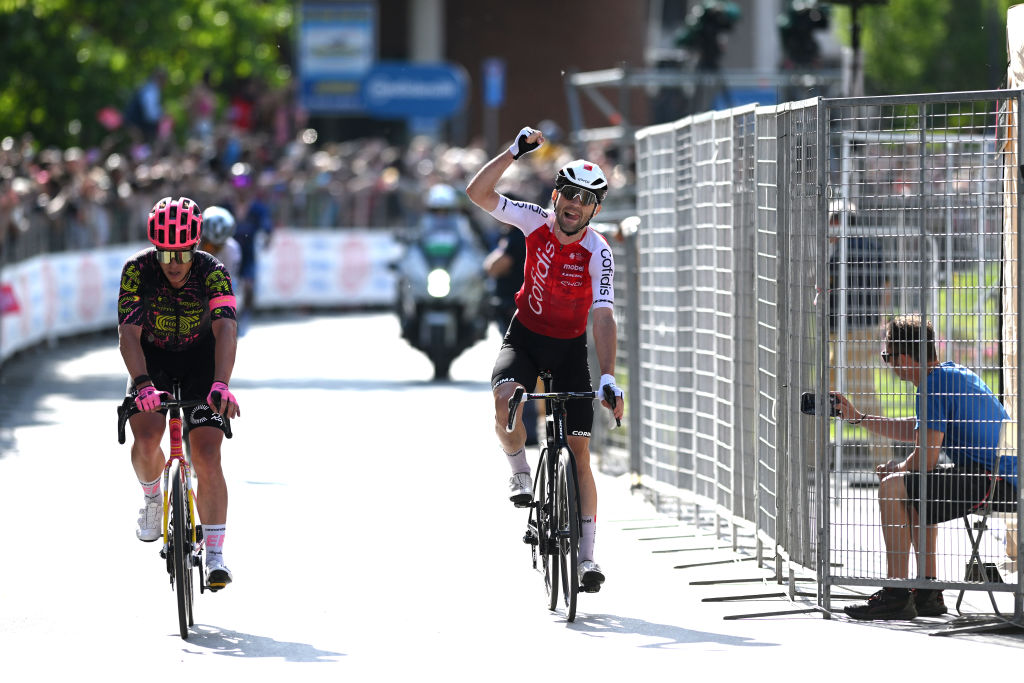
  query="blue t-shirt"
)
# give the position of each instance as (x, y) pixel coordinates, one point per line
(963, 408)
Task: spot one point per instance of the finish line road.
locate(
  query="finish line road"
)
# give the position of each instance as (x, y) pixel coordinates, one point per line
(371, 538)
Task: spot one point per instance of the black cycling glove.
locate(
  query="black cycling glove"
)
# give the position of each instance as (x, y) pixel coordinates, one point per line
(521, 146)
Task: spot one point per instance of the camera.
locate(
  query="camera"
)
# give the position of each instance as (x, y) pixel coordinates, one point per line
(807, 402)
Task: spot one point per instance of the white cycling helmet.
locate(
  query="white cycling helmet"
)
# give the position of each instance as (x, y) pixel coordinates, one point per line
(218, 225)
(583, 174)
(442, 197)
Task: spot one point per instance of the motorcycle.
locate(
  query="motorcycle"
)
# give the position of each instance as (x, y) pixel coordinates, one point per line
(442, 290)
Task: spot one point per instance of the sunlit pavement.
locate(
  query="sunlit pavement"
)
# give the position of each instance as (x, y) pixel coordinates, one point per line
(370, 537)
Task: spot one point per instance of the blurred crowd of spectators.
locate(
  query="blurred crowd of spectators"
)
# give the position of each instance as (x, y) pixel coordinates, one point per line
(61, 199)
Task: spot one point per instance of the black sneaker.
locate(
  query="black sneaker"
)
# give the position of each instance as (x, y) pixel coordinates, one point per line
(888, 603)
(929, 602)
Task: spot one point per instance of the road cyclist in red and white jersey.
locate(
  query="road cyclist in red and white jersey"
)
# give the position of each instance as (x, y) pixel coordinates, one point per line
(568, 274)
(176, 323)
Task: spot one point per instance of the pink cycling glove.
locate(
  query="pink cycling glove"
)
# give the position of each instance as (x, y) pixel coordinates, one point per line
(148, 398)
(223, 394)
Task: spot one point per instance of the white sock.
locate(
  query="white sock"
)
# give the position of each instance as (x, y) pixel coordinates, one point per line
(587, 533)
(213, 540)
(518, 461)
(151, 490)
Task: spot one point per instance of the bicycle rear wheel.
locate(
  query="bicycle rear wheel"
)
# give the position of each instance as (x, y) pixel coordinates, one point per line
(568, 533)
(545, 510)
(181, 547)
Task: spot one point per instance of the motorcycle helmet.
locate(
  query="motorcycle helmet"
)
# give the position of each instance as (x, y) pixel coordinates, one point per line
(174, 224)
(442, 197)
(218, 225)
(585, 175)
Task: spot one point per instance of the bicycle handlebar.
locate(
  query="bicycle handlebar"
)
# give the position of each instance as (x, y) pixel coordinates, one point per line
(520, 395)
(609, 396)
(166, 401)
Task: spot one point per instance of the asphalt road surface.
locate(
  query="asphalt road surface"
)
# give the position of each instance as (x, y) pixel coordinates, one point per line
(371, 538)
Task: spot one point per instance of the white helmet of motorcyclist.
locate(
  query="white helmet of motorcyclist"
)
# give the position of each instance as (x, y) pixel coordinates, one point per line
(442, 197)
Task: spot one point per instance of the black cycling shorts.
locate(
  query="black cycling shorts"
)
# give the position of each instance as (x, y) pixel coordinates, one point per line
(952, 492)
(524, 354)
(193, 369)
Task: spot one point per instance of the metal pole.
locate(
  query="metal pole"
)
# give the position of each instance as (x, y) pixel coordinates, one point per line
(1018, 605)
(922, 353)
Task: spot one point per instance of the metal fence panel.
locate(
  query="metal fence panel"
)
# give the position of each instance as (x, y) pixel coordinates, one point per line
(774, 242)
(657, 329)
(766, 320)
(919, 198)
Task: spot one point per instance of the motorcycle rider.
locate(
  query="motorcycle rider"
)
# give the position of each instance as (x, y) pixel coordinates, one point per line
(441, 284)
(569, 273)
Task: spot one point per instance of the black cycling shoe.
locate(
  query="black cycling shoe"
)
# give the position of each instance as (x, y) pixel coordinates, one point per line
(590, 575)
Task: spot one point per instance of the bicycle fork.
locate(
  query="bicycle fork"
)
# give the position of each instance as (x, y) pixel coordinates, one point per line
(177, 452)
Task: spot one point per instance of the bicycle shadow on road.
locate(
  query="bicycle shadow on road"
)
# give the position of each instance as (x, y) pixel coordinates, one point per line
(666, 635)
(230, 643)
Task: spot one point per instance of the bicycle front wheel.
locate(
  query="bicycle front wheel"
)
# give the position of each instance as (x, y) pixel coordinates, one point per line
(181, 546)
(546, 548)
(568, 533)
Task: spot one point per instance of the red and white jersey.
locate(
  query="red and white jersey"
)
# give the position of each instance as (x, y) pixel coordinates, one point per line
(561, 283)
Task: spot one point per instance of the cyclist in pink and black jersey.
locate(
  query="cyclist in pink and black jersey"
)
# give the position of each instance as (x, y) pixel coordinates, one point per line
(176, 323)
(569, 273)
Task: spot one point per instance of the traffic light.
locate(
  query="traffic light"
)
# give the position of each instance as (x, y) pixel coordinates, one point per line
(796, 29)
(705, 25)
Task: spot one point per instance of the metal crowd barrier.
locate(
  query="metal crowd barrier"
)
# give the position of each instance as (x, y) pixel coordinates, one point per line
(773, 244)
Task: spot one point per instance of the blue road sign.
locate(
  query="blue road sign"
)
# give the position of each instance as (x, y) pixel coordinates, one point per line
(403, 90)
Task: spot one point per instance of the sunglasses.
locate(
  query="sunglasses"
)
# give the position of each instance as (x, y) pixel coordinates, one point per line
(167, 257)
(571, 192)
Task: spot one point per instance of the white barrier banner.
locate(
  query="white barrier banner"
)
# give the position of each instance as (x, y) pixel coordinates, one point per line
(326, 268)
(57, 295)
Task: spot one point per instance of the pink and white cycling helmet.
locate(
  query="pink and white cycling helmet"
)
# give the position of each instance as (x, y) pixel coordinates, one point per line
(175, 224)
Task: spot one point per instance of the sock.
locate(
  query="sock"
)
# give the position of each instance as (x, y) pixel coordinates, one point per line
(151, 490)
(587, 533)
(213, 539)
(518, 462)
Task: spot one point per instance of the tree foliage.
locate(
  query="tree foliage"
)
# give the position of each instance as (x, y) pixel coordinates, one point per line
(64, 60)
(915, 46)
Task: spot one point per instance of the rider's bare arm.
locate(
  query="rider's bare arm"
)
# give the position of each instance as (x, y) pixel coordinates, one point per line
(129, 342)
(225, 332)
(605, 335)
(481, 188)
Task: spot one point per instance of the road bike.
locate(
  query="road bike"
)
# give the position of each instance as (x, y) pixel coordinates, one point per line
(553, 525)
(183, 538)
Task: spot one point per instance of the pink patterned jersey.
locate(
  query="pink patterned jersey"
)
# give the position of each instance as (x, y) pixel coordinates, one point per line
(561, 283)
(174, 319)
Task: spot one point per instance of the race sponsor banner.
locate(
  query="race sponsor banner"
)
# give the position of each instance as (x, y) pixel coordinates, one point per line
(58, 295)
(327, 268)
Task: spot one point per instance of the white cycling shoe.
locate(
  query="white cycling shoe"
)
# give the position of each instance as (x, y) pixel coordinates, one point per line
(520, 488)
(150, 518)
(590, 575)
(217, 574)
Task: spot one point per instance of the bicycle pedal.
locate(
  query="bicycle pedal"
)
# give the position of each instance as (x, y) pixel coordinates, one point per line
(529, 538)
(590, 589)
